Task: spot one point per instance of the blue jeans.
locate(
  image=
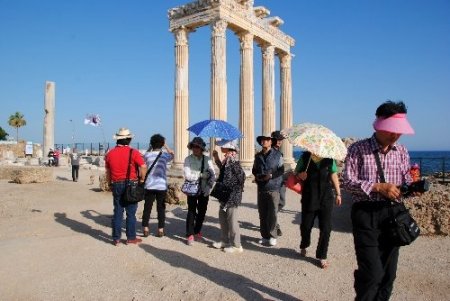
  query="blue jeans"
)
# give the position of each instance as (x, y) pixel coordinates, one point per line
(118, 189)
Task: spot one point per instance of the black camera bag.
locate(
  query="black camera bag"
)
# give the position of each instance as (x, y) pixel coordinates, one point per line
(401, 228)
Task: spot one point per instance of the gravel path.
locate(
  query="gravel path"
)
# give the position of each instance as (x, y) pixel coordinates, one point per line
(55, 245)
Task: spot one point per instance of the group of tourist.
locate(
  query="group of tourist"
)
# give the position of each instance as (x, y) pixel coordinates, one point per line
(373, 198)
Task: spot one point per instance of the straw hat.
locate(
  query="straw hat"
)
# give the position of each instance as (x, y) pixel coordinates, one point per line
(123, 133)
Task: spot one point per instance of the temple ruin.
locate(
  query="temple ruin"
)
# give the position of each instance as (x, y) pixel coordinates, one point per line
(251, 24)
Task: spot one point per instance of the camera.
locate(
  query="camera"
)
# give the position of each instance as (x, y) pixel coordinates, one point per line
(418, 186)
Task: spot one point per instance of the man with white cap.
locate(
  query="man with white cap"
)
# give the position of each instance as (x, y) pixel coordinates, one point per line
(116, 165)
(376, 199)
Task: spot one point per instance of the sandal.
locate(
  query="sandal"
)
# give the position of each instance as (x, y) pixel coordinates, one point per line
(324, 264)
(160, 233)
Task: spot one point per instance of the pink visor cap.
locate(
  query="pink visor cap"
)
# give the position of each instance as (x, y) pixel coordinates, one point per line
(397, 124)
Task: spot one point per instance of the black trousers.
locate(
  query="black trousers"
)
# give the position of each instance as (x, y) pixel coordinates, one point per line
(149, 199)
(377, 259)
(197, 206)
(75, 169)
(308, 217)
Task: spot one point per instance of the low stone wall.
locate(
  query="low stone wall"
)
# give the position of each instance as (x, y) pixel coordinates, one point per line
(174, 194)
(26, 174)
(13, 150)
(432, 210)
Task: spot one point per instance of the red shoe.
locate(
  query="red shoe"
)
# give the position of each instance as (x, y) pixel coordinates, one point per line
(199, 236)
(116, 242)
(134, 241)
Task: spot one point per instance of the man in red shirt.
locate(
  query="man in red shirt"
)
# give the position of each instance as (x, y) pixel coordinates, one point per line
(116, 164)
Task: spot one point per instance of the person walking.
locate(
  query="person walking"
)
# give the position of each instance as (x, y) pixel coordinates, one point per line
(319, 176)
(198, 167)
(74, 158)
(232, 179)
(156, 183)
(268, 170)
(375, 200)
(116, 165)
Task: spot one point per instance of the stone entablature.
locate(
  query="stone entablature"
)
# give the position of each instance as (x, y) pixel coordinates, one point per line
(240, 15)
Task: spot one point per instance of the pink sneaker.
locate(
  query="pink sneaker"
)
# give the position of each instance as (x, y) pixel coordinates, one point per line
(190, 240)
(199, 236)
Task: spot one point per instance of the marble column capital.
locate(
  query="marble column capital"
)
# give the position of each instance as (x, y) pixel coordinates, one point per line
(181, 36)
(268, 51)
(285, 60)
(246, 40)
(218, 28)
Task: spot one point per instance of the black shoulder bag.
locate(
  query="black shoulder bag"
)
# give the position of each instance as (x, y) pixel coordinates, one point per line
(401, 228)
(134, 190)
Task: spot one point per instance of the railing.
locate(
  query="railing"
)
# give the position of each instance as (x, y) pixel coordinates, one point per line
(95, 149)
(437, 167)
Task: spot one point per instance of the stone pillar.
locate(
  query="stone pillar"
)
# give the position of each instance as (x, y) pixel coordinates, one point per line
(181, 105)
(218, 97)
(286, 105)
(268, 89)
(246, 102)
(49, 118)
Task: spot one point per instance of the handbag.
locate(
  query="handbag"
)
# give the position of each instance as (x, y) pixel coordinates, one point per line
(193, 188)
(293, 183)
(221, 192)
(134, 190)
(401, 228)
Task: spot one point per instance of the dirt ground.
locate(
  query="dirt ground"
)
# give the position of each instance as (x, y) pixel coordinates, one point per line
(55, 244)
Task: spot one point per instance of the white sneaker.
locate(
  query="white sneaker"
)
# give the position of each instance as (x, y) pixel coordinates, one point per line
(219, 245)
(273, 241)
(233, 249)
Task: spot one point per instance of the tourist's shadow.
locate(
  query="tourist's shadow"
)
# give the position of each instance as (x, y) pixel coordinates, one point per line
(97, 217)
(211, 233)
(245, 287)
(176, 226)
(63, 178)
(81, 228)
(340, 218)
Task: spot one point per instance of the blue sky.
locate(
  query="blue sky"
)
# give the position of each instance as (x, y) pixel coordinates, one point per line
(116, 58)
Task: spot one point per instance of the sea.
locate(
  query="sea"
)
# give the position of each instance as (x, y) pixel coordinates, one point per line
(430, 162)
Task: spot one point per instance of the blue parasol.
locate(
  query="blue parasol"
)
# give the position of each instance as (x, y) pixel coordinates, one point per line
(215, 128)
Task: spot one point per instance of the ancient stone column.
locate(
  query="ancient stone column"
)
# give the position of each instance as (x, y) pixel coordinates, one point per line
(286, 105)
(49, 118)
(268, 88)
(246, 102)
(218, 97)
(218, 70)
(181, 110)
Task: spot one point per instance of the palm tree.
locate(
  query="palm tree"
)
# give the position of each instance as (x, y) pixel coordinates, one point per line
(16, 121)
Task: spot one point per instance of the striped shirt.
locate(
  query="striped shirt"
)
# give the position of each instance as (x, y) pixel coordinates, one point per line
(157, 179)
(360, 171)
